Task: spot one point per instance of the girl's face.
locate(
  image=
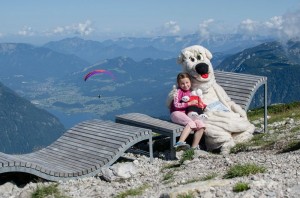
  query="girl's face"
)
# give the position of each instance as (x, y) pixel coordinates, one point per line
(184, 84)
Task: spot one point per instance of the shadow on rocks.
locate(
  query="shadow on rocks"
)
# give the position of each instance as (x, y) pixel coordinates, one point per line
(19, 179)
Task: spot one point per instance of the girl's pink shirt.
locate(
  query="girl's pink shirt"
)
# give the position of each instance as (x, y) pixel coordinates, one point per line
(177, 103)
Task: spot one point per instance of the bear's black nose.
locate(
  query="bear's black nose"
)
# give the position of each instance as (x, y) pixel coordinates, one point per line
(201, 68)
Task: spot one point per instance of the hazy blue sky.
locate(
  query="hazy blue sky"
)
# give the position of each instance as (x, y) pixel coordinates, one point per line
(101, 19)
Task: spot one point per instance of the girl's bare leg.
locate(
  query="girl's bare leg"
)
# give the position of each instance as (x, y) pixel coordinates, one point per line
(185, 133)
(197, 137)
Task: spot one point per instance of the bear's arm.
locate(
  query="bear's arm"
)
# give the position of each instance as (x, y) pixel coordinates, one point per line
(230, 103)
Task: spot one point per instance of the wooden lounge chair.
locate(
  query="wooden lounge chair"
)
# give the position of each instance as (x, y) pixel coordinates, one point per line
(80, 152)
(240, 87)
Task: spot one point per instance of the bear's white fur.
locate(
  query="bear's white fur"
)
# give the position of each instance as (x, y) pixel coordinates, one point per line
(227, 122)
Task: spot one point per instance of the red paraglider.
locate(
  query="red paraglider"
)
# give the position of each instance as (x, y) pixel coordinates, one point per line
(98, 71)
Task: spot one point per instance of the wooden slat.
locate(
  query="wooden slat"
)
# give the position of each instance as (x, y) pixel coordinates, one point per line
(103, 132)
(85, 147)
(101, 140)
(104, 157)
(32, 160)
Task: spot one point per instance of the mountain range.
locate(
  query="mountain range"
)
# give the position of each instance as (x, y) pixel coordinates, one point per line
(156, 48)
(280, 62)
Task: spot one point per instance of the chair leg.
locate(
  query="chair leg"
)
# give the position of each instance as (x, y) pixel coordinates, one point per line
(151, 148)
(172, 149)
(266, 109)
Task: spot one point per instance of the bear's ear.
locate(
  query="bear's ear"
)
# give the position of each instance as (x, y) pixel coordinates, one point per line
(180, 58)
(208, 54)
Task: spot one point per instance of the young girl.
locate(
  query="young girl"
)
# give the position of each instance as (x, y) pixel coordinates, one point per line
(179, 116)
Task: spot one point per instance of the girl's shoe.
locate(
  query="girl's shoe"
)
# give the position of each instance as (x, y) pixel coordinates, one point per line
(181, 146)
(196, 148)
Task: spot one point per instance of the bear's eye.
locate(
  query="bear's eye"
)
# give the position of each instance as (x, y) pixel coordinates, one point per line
(192, 59)
(199, 57)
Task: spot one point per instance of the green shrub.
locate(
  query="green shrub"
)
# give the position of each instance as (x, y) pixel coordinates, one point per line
(168, 176)
(210, 176)
(240, 147)
(241, 186)
(171, 166)
(190, 194)
(205, 178)
(265, 140)
(243, 170)
(45, 191)
(292, 146)
(133, 192)
(187, 155)
(295, 129)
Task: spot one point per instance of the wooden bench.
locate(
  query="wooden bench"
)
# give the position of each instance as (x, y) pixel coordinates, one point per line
(240, 87)
(80, 152)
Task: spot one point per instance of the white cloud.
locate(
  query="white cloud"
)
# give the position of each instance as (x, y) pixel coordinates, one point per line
(271, 27)
(167, 29)
(83, 29)
(274, 23)
(59, 30)
(26, 31)
(284, 27)
(204, 28)
(291, 24)
(170, 27)
(248, 26)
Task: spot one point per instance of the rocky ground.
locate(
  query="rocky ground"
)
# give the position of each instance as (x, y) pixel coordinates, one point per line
(200, 177)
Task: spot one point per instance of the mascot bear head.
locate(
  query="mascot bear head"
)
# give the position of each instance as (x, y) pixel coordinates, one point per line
(195, 60)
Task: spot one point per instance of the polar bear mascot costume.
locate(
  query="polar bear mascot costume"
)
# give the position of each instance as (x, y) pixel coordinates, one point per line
(227, 122)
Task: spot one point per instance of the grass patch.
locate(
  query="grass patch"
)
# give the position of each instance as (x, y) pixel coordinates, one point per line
(192, 181)
(205, 178)
(292, 146)
(277, 112)
(240, 170)
(187, 155)
(171, 166)
(210, 176)
(168, 176)
(275, 140)
(133, 192)
(295, 129)
(240, 147)
(240, 186)
(45, 191)
(263, 140)
(190, 194)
